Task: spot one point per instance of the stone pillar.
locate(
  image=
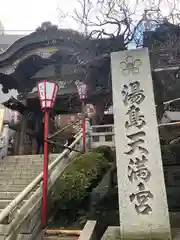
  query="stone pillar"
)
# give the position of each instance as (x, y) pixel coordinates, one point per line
(6, 138)
(87, 125)
(34, 142)
(16, 143)
(142, 195)
(22, 134)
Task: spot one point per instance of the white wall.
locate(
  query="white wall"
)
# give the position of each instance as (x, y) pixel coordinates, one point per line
(5, 42)
(4, 97)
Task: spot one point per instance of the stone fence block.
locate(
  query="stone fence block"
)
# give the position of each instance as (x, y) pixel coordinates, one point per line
(88, 232)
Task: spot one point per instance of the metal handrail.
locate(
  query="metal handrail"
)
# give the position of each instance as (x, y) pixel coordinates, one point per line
(160, 125)
(12, 205)
(102, 126)
(102, 134)
(66, 127)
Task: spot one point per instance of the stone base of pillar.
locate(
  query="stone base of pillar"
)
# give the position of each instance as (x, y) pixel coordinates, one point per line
(34, 142)
(34, 146)
(22, 134)
(21, 150)
(16, 143)
(6, 138)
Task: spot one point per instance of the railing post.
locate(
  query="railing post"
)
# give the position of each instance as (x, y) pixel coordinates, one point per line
(89, 136)
(88, 129)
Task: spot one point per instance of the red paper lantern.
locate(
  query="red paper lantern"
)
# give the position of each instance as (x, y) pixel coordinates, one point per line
(47, 91)
(82, 90)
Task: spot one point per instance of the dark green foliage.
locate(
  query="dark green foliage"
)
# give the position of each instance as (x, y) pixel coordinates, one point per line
(107, 152)
(75, 182)
(72, 193)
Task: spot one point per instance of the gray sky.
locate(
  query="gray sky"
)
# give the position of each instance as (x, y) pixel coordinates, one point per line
(29, 14)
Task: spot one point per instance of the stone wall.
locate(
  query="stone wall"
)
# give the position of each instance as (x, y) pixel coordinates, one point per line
(171, 165)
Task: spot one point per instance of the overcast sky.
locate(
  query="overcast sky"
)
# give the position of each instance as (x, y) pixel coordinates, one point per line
(29, 14)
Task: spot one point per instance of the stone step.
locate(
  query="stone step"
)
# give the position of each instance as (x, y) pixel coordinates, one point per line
(18, 176)
(29, 157)
(9, 175)
(20, 167)
(12, 185)
(22, 170)
(11, 195)
(12, 162)
(20, 164)
(12, 188)
(22, 161)
(8, 195)
(11, 165)
(4, 203)
(5, 160)
(16, 172)
(17, 181)
(25, 160)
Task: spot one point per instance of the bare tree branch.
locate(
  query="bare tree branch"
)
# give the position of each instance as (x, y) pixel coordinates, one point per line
(112, 18)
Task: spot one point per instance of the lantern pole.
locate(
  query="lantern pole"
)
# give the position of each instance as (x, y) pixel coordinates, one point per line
(82, 91)
(47, 91)
(45, 169)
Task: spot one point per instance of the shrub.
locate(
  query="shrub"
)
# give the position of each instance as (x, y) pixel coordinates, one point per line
(107, 152)
(79, 176)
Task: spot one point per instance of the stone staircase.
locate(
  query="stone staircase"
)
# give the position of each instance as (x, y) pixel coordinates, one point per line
(21, 179)
(16, 172)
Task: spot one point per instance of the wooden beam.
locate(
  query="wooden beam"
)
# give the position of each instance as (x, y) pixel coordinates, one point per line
(59, 231)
